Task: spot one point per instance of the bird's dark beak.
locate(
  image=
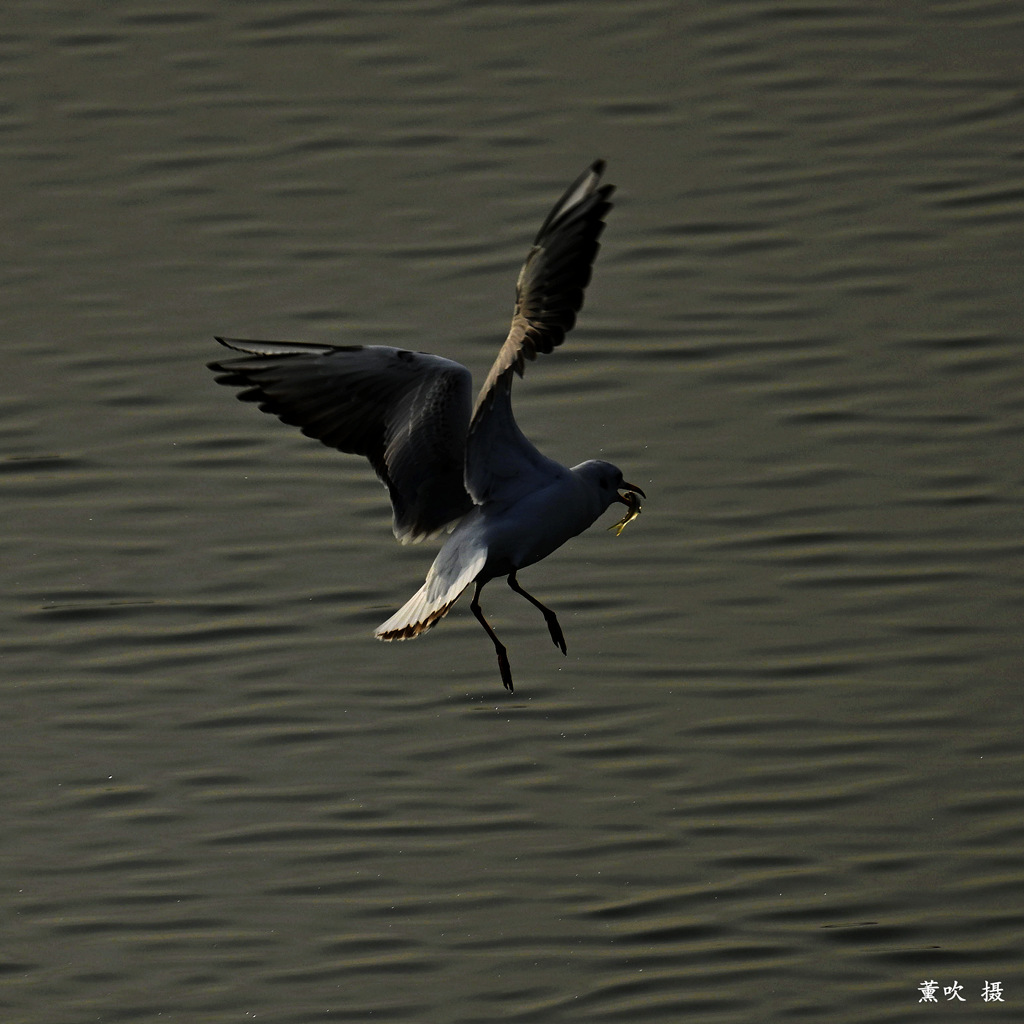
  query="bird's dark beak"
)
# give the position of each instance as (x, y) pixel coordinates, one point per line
(629, 488)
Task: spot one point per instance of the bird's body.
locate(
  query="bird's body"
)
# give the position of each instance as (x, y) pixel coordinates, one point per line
(507, 505)
(495, 540)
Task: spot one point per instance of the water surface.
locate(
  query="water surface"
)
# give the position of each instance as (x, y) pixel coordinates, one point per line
(778, 776)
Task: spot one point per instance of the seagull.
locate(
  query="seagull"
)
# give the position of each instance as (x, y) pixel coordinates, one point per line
(446, 466)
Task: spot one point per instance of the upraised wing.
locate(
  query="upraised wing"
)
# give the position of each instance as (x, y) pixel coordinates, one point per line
(549, 294)
(407, 412)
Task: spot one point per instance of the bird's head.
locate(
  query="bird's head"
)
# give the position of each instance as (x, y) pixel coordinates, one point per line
(607, 483)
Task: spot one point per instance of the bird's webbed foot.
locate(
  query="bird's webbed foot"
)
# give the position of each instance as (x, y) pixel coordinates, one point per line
(550, 617)
(499, 648)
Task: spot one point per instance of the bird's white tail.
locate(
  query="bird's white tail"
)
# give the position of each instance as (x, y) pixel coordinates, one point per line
(433, 600)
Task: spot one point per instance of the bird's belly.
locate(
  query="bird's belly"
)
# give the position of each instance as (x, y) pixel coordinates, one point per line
(530, 530)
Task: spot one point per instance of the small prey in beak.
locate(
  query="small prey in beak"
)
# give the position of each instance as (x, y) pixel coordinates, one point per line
(632, 503)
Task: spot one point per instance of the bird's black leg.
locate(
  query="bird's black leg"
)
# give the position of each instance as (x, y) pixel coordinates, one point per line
(499, 647)
(549, 616)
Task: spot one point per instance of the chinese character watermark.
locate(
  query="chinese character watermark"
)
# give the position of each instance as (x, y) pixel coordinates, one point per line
(991, 993)
(953, 991)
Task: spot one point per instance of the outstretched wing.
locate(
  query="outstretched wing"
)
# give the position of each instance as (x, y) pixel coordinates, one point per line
(501, 462)
(407, 412)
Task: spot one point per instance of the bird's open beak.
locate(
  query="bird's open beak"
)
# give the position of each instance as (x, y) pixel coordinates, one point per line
(629, 488)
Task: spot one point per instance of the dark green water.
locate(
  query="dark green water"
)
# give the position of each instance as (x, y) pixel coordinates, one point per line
(779, 776)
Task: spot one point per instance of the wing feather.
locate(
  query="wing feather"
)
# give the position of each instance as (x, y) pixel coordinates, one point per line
(549, 294)
(407, 412)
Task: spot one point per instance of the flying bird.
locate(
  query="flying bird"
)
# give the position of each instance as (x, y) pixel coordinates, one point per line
(448, 466)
